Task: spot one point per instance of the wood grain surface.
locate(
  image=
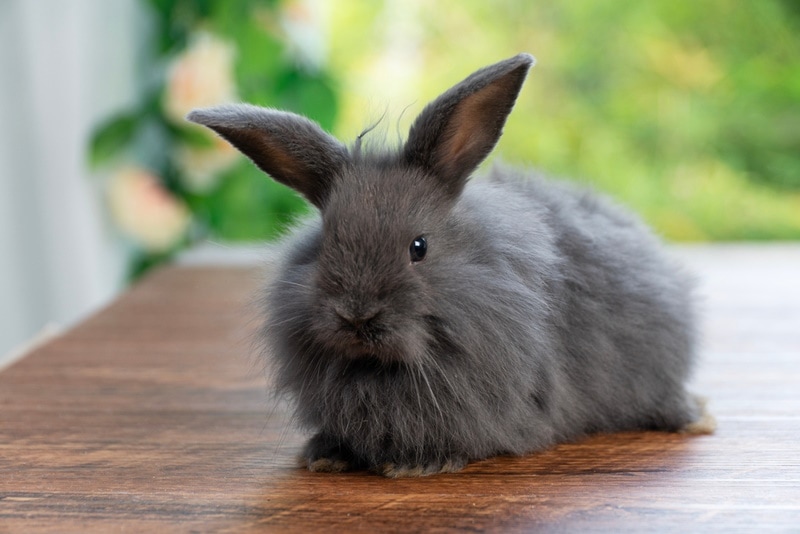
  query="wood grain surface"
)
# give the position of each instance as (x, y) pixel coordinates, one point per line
(154, 416)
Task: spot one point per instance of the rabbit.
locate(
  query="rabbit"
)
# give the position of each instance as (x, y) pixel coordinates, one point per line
(422, 320)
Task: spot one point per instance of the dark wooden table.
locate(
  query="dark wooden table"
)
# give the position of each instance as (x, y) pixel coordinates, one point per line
(152, 416)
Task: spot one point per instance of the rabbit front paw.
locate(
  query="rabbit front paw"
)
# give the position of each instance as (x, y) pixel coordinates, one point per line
(323, 454)
(402, 470)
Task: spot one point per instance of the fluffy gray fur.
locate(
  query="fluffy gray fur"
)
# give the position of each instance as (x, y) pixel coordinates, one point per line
(541, 312)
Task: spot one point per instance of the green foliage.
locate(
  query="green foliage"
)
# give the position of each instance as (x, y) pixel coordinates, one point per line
(687, 111)
(112, 137)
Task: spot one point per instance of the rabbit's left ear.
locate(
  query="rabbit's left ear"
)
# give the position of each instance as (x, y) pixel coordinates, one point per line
(456, 132)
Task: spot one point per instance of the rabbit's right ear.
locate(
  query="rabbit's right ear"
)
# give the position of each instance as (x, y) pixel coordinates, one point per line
(292, 149)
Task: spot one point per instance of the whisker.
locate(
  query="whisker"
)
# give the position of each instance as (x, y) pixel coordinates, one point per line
(289, 282)
(433, 396)
(438, 368)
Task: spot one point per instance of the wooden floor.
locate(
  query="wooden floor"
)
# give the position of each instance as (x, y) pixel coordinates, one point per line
(151, 416)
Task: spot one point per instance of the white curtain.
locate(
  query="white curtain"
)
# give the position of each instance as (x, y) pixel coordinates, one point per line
(63, 66)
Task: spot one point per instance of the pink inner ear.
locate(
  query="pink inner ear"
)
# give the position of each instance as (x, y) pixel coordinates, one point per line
(475, 125)
(284, 164)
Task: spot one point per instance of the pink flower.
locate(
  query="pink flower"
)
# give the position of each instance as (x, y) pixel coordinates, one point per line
(202, 166)
(201, 76)
(144, 210)
(303, 23)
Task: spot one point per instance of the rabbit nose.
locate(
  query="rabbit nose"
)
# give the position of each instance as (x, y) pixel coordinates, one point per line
(355, 318)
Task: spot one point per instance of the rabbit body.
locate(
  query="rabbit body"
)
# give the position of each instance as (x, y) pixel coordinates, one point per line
(539, 312)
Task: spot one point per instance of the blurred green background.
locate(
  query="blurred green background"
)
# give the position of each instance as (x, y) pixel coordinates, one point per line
(689, 112)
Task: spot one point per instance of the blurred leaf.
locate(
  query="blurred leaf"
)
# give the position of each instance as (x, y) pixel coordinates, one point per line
(177, 19)
(163, 7)
(250, 206)
(191, 135)
(309, 95)
(143, 262)
(259, 58)
(112, 137)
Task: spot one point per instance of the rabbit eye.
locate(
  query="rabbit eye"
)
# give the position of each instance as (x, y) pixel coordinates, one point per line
(418, 249)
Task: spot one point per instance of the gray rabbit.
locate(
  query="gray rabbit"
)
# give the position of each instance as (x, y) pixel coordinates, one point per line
(423, 320)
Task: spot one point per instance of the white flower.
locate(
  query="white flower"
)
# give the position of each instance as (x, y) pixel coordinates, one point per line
(201, 76)
(145, 210)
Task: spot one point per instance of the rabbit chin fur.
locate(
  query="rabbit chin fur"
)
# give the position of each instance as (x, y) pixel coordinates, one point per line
(540, 313)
